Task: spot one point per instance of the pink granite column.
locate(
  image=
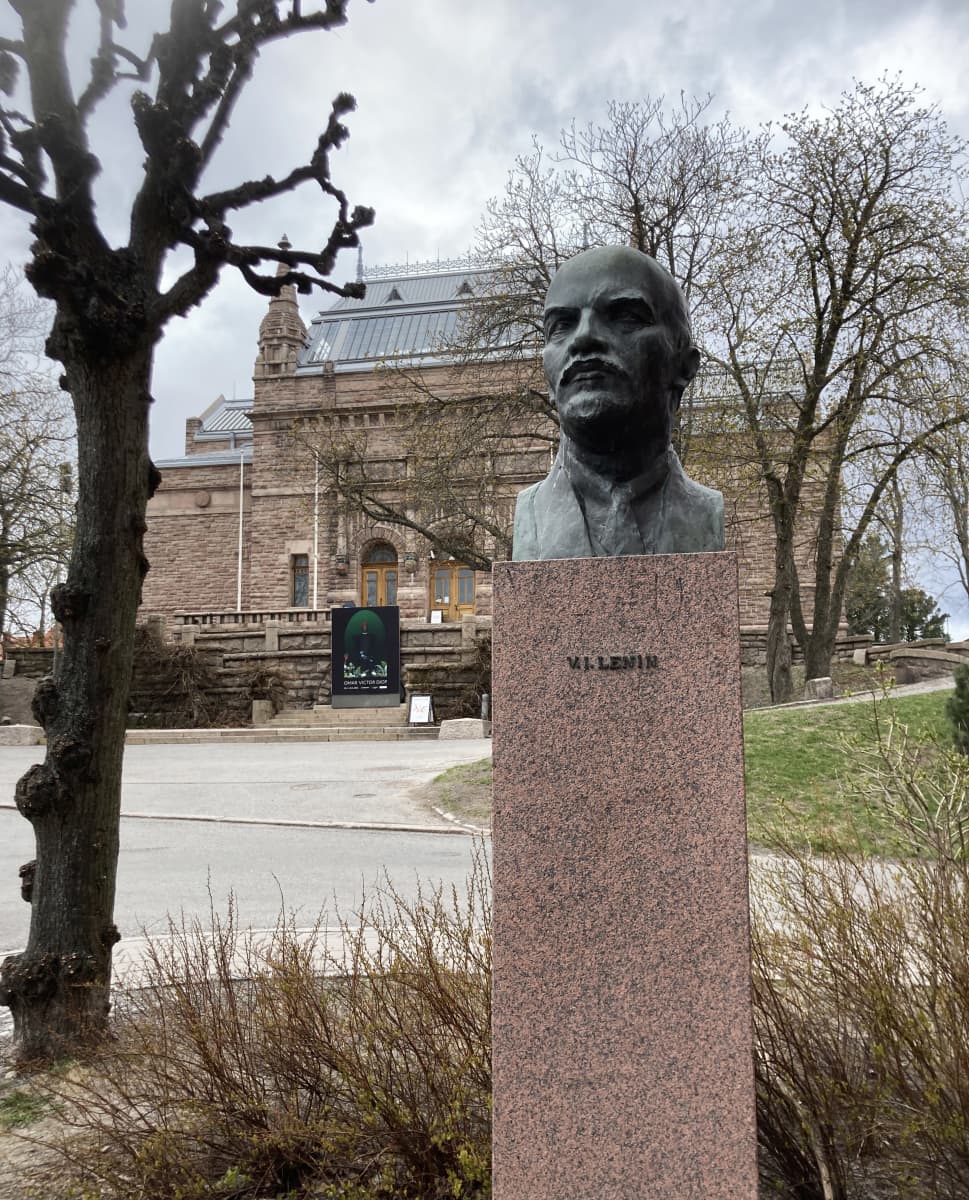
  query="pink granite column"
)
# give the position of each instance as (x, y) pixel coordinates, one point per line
(622, 1014)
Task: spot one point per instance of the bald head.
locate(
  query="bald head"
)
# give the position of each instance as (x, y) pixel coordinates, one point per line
(618, 350)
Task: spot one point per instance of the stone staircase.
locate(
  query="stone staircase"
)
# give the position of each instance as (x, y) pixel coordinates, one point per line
(328, 724)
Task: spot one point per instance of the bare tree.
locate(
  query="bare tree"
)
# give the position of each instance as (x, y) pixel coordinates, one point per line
(946, 498)
(826, 264)
(843, 288)
(28, 600)
(111, 307)
(36, 445)
(36, 462)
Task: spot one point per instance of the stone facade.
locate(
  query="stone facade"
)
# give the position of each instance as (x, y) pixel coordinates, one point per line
(327, 379)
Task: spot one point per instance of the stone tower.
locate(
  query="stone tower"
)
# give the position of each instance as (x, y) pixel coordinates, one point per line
(282, 334)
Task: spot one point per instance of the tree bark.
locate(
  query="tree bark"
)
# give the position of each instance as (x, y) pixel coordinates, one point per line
(58, 989)
(4, 596)
(778, 643)
(897, 532)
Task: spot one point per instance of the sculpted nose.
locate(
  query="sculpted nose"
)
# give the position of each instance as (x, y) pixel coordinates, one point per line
(587, 335)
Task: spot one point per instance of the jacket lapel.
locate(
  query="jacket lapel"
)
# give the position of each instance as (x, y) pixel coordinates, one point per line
(558, 518)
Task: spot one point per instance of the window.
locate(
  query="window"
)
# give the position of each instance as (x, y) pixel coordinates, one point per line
(381, 552)
(300, 580)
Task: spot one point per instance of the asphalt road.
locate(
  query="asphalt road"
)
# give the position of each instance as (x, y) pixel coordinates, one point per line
(252, 791)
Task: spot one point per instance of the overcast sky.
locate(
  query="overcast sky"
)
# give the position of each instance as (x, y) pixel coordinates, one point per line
(450, 91)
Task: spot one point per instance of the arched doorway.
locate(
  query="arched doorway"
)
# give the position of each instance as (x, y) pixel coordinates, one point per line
(378, 575)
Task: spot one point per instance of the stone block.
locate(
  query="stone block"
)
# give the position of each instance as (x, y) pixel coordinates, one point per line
(21, 735)
(465, 727)
(623, 1062)
(262, 712)
(9, 668)
(819, 689)
(860, 656)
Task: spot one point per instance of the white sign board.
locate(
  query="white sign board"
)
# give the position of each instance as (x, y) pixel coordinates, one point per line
(421, 711)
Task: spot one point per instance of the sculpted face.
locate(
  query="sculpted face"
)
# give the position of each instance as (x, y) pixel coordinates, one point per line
(617, 349)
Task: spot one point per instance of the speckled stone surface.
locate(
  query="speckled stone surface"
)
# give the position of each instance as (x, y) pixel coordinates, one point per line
(622, 1016)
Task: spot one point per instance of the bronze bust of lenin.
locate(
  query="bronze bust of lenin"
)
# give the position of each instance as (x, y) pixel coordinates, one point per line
(618, 355)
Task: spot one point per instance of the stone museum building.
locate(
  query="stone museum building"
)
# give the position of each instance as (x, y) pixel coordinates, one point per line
(246, 522)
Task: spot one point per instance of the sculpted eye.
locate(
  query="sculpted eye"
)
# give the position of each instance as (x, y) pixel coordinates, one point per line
(557, 323)
(632, 312)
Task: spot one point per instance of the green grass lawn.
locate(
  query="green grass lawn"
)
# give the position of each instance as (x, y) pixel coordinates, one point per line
(797, 761)
(465, 792)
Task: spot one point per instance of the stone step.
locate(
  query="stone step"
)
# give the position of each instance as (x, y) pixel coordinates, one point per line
(346, 733)
(324, 717)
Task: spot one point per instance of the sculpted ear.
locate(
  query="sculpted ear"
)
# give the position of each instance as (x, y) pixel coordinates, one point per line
(689, 365)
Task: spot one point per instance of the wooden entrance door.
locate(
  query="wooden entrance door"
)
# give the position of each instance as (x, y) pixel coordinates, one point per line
(452, 590)
(378, 576)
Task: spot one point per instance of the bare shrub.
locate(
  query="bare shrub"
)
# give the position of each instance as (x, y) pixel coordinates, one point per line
(861, 986)
(352, 1063)
(180, 686)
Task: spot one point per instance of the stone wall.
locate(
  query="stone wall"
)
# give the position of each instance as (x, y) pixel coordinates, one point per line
(193, 539)
(32, 661)
(753, 646)
(450, 661)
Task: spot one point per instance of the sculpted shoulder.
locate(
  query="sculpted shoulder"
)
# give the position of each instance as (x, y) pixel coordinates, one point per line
(525, 537)
(695, 516)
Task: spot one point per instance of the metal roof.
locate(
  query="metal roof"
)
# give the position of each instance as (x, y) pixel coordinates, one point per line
(442, 287)
(367, 339)
(410, 313)
(217, 458)
(226, 416)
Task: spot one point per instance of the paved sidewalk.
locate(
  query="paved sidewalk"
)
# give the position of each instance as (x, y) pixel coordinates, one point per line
(943, 683)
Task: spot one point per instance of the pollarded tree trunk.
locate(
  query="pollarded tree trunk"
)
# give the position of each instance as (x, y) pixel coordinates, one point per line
(110, 311)
(58, 988)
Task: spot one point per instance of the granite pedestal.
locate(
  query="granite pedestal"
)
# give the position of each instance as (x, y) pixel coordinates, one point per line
(622, 1012)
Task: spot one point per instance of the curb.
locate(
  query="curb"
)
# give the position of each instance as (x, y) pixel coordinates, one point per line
(464, 826)
(454, 826)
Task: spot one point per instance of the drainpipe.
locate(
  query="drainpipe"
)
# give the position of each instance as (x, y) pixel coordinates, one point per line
(242, 474)
(316, 527)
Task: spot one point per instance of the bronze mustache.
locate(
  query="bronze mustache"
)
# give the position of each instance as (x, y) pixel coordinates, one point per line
(589, 366)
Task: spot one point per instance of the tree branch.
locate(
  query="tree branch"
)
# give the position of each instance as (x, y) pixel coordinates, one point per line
(215, 206)
(15, 194)
(220, 120)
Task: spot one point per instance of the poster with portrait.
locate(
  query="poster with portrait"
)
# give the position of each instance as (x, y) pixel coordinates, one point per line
(366, 651)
